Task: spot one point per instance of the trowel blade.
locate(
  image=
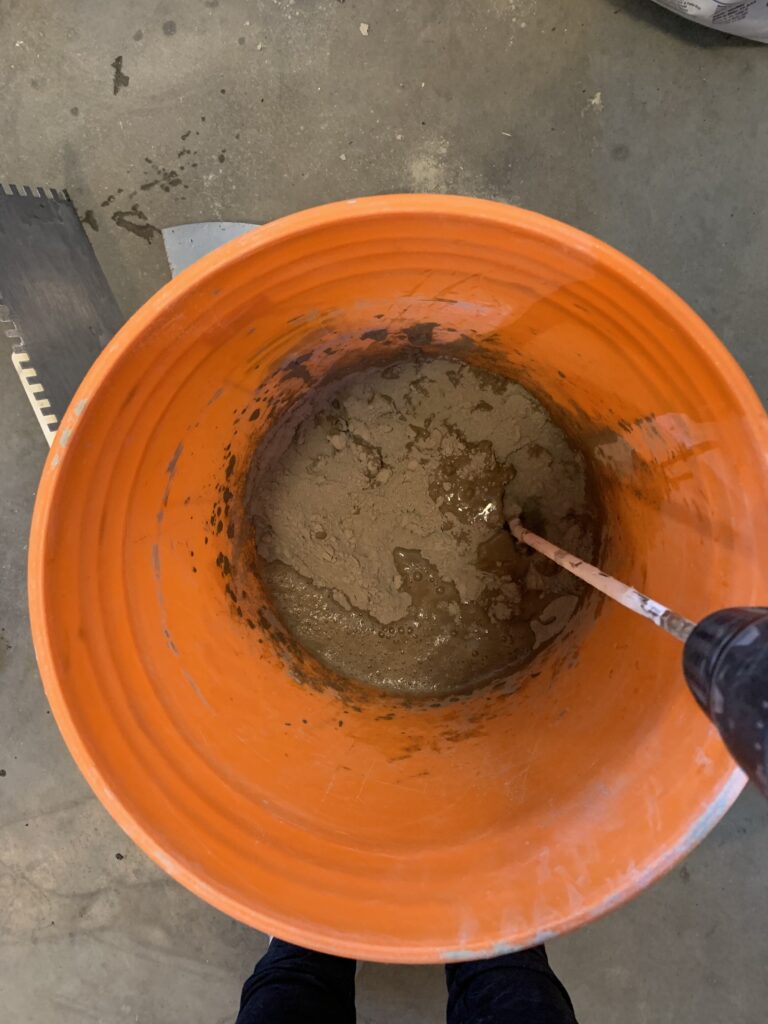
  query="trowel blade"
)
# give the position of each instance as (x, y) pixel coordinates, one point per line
(56, 309)
(187, 243)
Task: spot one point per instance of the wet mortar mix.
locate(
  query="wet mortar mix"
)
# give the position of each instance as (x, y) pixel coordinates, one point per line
(377, 506)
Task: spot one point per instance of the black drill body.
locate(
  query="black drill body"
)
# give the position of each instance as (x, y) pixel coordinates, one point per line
(725, 661)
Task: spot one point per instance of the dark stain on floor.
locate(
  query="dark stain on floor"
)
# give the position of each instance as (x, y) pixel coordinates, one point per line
(89, 218)
(166, 177)
(119, 79)
(169, 28)
(135, 221)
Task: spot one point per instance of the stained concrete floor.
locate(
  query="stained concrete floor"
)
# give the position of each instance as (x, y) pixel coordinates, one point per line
(614, 116)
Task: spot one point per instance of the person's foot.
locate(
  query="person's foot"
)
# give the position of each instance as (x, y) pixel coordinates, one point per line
(516, 986)
(292, 984)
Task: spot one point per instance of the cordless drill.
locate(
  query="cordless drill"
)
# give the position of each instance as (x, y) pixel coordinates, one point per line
(725, 663)
(725, 657)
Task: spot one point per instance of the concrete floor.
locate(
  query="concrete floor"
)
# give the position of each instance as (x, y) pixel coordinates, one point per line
(614, 116)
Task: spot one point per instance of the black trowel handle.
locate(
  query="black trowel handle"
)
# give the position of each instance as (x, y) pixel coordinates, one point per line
(725, 661)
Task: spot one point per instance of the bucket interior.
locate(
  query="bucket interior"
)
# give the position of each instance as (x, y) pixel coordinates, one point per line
(328, 813)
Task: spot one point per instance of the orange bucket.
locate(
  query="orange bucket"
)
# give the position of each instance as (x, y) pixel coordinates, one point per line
(346, 821)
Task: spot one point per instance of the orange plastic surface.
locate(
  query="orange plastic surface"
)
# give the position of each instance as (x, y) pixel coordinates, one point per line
(365, 828)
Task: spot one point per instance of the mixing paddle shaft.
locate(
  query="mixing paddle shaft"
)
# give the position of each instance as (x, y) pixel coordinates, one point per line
(725, 657)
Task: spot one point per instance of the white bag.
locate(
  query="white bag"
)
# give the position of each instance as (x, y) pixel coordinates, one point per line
(747, 18)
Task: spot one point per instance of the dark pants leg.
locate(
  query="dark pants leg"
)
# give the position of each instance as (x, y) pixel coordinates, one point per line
(291, 985)
(517, 988)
